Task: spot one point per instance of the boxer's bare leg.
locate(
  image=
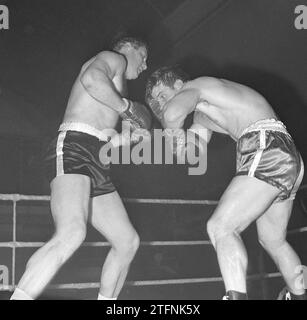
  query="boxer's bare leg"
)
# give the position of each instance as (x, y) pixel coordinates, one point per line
(69, 207)
(272, 232)
(110, 218)
(245, 199)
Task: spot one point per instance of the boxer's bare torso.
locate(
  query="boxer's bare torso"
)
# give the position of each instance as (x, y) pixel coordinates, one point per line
(226, 106)
(82, 107)
(232, 106)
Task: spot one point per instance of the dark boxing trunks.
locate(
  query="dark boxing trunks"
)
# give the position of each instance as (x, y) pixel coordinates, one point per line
(76, 151)
(265, 150)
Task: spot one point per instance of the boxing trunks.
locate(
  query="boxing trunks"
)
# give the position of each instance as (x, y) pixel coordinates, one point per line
(266, 151)
(76, 151)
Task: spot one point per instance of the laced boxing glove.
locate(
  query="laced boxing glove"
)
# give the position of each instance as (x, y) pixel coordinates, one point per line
(137, 114)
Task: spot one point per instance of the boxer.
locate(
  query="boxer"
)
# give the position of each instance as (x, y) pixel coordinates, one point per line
(268, 174)
(79, 180)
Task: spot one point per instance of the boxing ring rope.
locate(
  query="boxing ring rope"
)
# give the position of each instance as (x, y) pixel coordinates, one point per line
(93, 285)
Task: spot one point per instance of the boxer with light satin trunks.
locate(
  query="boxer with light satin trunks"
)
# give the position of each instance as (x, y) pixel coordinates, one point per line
(266, 151)
(269, 169)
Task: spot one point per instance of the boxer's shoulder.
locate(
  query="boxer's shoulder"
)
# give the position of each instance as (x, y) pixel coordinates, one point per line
(112, 59)
(201, 81)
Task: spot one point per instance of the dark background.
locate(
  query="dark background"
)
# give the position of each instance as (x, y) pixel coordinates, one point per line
(248, 41)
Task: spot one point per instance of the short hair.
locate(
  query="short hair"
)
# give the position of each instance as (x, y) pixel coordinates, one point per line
(136, 42)
(166, 75)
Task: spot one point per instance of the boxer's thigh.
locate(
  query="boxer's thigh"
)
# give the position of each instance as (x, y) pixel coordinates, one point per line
(69, 200)
(110, 218)
(245, 199)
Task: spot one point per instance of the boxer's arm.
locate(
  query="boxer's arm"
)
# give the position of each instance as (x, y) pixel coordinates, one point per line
(177, 109)
(203, 92)
(198, 135)
(201, 119)
(204, 133)
(97, 80)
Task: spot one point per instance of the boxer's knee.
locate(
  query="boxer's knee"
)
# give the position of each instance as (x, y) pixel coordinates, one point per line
(66, 241)
(271, 242)
(60, 247)
(127, 247)
(218, 229)
(214, 230)
(73, 236)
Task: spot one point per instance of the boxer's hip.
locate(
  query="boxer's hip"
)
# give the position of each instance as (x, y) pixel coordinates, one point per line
(75, 150)
(266, 150)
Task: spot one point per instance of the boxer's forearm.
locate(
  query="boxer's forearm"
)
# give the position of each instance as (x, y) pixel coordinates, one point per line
(177, 124)
(178, 108)
(201, 119)
(204, 133)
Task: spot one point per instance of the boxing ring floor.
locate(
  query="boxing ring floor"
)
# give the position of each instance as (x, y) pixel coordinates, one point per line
(175, 261)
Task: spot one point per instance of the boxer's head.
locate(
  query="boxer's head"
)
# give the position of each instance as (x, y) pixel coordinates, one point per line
(135, 51)
(162, 85)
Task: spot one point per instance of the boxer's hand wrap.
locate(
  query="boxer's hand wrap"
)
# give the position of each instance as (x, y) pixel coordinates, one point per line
(137, 114)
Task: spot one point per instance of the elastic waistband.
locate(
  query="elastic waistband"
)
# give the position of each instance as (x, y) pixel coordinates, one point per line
(266, 124)
(85, 128)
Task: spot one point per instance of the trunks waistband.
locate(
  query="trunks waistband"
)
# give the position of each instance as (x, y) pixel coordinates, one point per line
(266, 124)
(84, 128)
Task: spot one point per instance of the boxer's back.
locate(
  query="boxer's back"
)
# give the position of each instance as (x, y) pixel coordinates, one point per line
(230, 105)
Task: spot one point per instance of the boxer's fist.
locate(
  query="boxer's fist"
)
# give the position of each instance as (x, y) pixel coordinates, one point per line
(138, 115)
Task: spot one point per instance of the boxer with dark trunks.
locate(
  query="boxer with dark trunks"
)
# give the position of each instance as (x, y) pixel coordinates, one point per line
(269, 170)
(79, 181)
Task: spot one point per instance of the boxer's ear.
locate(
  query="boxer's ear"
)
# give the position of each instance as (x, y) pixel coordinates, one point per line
(129, 46)
(126, 48)
(178, 84)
